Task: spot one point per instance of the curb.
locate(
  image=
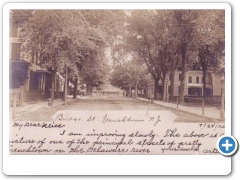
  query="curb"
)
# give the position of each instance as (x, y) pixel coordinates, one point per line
(202, 116)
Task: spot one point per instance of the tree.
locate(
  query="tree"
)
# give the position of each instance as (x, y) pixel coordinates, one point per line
(94, 72)
(211, 42)
(185, 24)
(69, 43)
(152, 37)
(106, 24)
(129, 75)
(164, 40)
(55, 44)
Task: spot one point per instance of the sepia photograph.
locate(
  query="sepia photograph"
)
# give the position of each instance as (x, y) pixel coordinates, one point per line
(116, 81)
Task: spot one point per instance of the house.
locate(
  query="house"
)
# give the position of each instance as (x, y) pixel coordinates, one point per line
(25, 71)
(193, 85)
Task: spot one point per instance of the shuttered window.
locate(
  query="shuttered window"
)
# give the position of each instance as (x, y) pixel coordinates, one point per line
(197, 79)
(190, 79)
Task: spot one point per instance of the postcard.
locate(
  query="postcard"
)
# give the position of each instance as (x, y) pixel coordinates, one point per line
(145, 81)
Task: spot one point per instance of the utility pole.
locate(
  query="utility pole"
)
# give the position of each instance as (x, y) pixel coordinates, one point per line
(222, 112)
(136, 90)
(66, 85)
(75, 87)
(53, 72)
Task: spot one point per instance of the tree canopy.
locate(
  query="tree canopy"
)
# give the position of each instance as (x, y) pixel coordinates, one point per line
(153, 41)
(163, 40)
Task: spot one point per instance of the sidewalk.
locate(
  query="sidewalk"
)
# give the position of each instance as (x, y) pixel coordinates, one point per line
(210, 112)
(34, 106)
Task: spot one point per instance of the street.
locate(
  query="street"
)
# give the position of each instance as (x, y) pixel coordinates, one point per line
(111, 102)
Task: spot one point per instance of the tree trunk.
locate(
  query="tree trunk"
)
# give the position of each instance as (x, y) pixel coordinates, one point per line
(204, 80)
(155, 88)
(163, 93)
(66, 86)
(91, 90)
(63, 94)
(75, 88)
(52, 84)
(172, 75)
(135, 92)
(127, 92)
(130, 90)
(87, 88)
(222, 113)
(182, 82)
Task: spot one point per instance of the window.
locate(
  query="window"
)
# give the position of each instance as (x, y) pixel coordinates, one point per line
(180, 77)
(197, 79)
(15, 53)
(211, 80)
(190, 79)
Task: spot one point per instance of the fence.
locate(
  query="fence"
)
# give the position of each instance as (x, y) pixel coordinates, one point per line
(208, 100)
(193, 100)
(109, 92)
(13, 92)
(35, 95)
(26, 96)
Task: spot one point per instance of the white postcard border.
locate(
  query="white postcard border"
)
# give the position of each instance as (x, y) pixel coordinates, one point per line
(113, 164)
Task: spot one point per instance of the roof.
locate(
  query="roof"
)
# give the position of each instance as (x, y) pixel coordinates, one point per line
(19, 61)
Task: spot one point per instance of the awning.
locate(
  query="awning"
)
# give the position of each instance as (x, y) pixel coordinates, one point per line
(42, 72)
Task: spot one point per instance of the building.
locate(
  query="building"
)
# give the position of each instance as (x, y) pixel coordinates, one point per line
(25, 71)
(193, 85)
